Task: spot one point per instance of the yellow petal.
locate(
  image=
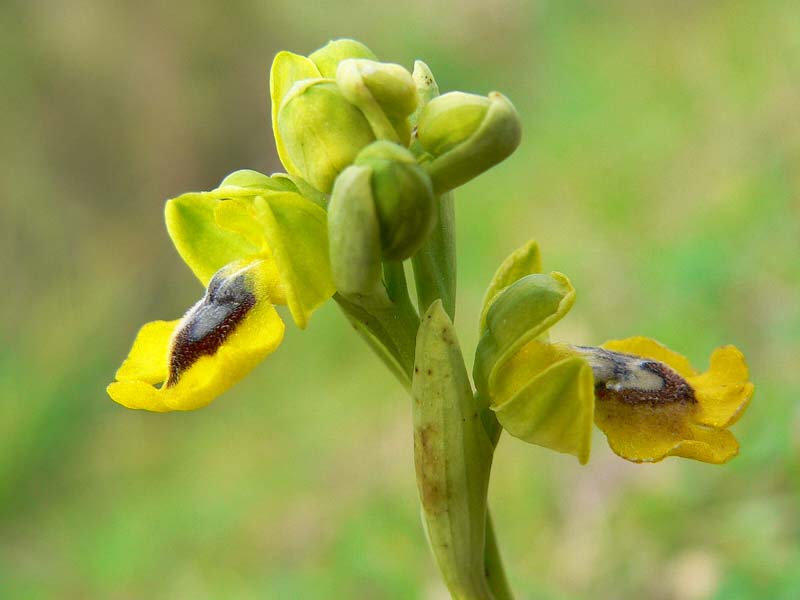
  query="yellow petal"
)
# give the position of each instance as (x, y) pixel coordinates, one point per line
(650, 348)
(296, 231)
(287, 69)
(238, 215)
(554, 409)
(715, 446)
(147, 360)
(528, 362)
(202, 243)
(649, 433)
(724, 391)
(137, 395)
(217, 343)
(253, 340)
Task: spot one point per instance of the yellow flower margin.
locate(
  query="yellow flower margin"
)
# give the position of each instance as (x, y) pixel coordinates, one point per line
(546, 394)
(253, 248)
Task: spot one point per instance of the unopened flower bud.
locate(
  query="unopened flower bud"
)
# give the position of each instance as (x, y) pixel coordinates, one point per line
(465, 135)
(328, 57)
(354, 234)
(381, 208)
(384, 92)
(321, 131)
(403, 197)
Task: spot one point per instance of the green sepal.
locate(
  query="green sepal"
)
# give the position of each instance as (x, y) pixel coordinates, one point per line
(466, 135)
(202, 244)
(427, 90)
(354, 234)
(555, 409)
(521, 312)
(452, 455)
(296, 234)
(287, 69)
(295, 183)
(247, 178)
(321, 131)
(384, 92)
(277, 182)
(327, 58)
(403, 197)
(525, 260)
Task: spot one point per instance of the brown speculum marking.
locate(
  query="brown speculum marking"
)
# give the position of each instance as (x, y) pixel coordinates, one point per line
(209, 323)
(674, 389)
(635, 380)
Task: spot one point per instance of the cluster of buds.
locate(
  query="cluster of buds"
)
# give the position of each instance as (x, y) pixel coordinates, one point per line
(377, 139)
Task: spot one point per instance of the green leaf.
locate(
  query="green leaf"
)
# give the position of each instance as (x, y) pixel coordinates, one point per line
(452, 456)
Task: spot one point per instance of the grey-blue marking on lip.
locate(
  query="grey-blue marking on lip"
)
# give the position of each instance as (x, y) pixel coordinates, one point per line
(634, 379)
(207, 325)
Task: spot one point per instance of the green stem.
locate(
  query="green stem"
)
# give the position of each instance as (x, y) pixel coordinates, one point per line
(435, 263)
(389, 328)
(493, 564)
(389, 323)
(394, 276)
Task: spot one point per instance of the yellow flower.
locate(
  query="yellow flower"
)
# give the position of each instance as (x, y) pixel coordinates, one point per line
(253, 248)
(648, 400)
(656, 405)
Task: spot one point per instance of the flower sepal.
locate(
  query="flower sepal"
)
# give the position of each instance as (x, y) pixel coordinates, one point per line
(522, 312)
(465, 135)
(384, 92)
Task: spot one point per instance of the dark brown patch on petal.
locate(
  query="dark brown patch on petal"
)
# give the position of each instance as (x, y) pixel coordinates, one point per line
(674, 389)
(209, 323)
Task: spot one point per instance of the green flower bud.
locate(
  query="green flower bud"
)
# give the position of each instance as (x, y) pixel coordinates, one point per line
(328, 57)
(465, 135)
(382, 208)
(384, 92)
(321, 131)
(403, 196)
(354, 234)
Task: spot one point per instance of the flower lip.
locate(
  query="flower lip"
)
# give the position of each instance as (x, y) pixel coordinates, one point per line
(208, 323)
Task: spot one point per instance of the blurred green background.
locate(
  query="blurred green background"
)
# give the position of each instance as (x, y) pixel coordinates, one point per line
(660, 169)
